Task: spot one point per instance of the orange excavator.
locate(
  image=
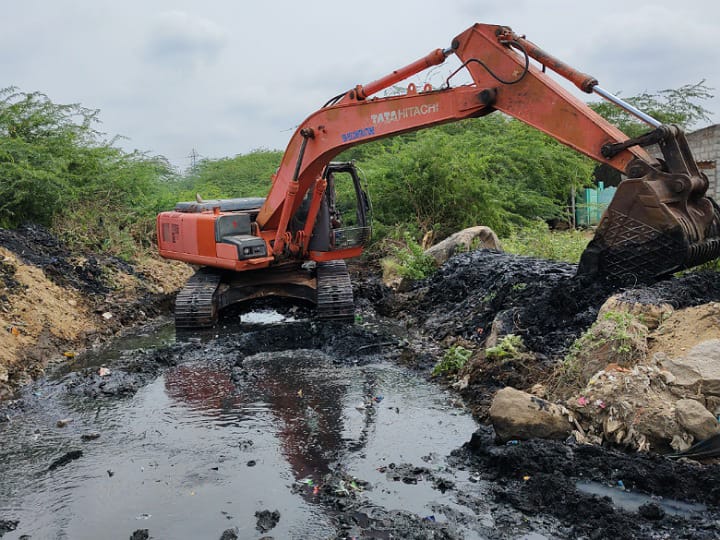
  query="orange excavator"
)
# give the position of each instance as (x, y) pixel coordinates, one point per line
(293, 243)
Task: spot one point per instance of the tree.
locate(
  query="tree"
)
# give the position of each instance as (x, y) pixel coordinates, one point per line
(57, 169)
(494, 171)
(245, 175)
(681, 106)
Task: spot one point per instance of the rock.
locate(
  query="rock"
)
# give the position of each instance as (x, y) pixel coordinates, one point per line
(266, 520)
(696, 419)
(229, 534)
(502, 325)
(519, 415)
(140, 534)
(90, 436)
(65, 459)
(63, 422)
(462, 241)
(4, 375)
(699, 370)
(7, 525)
(651, 510)
(651, 315)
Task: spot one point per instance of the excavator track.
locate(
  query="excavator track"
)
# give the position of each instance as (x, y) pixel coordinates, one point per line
(334, 292)
(196, 305)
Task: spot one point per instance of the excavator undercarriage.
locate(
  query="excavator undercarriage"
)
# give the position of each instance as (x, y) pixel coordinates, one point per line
(326, 285)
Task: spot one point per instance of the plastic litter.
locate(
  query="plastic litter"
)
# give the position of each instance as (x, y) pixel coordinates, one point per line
(582, 401)
(620, 484)
(512, 442)
(103, 372)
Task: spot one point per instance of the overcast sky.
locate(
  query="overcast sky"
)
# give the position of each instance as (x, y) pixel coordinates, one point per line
(225, 77)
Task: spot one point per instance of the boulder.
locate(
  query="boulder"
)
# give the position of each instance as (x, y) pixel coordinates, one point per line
(519, 415)
(699, 370)
(696, 419)
(462, 240)
(651, 315)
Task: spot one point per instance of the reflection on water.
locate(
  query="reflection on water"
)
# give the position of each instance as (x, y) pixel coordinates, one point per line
(631, 501)
(207, 444)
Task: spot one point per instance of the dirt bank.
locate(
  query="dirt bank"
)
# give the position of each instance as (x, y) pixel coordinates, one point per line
(55, 302)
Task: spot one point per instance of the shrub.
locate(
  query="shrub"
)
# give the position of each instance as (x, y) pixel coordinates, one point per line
(453, 361)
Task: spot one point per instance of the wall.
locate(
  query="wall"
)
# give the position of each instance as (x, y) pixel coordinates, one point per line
(705, 146)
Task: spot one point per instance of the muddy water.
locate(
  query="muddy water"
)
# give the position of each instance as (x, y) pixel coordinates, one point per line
(205, 444)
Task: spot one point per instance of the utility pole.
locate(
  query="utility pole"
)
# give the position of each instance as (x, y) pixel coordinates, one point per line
(193, 158)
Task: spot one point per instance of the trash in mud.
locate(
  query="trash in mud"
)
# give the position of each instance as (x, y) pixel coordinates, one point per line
(63, 422)
(266, 520)
(65, 459)
(229, 534)
(103, 372)
(90, 436)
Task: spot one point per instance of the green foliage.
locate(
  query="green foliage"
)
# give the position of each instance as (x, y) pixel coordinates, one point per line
(537, 240)
(453, 361)
(510, 346)
(247, 175)
(493, 171)
(413, 263)
(679, 106)
(57, 170)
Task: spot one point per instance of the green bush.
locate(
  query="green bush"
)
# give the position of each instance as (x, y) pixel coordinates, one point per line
(413, 263)
(58, 171)
(539, 241)
(510, 346)
(453, 361)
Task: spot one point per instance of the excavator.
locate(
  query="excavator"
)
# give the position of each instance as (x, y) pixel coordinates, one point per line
(294, 242)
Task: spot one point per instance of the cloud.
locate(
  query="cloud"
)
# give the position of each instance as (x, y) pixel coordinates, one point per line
(179, 40)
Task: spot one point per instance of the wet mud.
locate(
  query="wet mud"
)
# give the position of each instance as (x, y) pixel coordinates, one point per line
(302, 429)
(544, 302)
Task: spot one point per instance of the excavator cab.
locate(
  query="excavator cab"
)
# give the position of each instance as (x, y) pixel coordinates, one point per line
(348, 207)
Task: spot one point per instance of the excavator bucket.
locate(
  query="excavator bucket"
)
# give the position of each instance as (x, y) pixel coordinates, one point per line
(656, 224)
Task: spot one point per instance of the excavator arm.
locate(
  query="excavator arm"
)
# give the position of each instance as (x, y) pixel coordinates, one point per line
(660, 222)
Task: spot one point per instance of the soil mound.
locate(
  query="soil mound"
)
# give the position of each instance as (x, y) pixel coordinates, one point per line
(54, 300)
(541, 301)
